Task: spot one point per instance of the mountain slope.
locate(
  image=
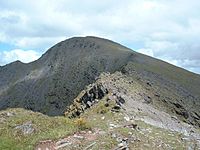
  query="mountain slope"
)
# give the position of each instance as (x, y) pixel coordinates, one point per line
(51, 83)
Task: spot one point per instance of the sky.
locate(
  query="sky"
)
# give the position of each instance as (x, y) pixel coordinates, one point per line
(165, 29)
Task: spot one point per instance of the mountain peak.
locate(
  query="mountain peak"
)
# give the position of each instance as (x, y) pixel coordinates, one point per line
(86, 42)
(65, 69)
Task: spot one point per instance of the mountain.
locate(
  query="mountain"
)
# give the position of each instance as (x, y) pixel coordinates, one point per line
(52, 82)
(94, 78)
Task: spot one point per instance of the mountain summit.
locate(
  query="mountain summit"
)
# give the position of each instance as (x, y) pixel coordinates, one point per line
(51, 83)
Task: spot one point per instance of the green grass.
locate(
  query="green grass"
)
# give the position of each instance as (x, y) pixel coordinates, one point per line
(45, 128)
(187, 79)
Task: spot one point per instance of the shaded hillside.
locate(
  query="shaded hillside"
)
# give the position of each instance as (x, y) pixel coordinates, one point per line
(50, 83)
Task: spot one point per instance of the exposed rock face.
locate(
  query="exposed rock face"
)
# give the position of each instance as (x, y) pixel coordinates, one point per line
(92, 95)
(86, 99)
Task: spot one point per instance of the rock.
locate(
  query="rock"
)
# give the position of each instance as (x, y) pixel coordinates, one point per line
(103, 117)
(130, 133)
(102, 132)
(89, 103)
(174, 117)
(96, 100)
(89, 146)
(133, 126)
(113, 125)
(112, 97)
(134, 139)
(62, 143)
(147, 99)
(10, 114)
(120, 144)
(118, 139)
(114, 135)
(117, 107)
(127, 118)
(157, 95)
(78, 136)
(123, 145)
(178, 105)
(26, 128)
(88, 97)
(106, 105)
(2, 120)
(183, 113)
(5, 115)
(121, 100)
(148, 83)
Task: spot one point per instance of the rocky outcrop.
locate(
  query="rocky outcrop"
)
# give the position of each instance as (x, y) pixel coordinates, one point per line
(86, 99)
(26, 128)
(90, 96)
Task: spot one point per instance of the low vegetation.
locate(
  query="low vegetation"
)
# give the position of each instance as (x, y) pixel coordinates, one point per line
(111, 127)
(45, 128)
(82, 124)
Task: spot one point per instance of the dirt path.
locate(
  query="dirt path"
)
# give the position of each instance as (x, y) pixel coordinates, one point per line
(70, 142)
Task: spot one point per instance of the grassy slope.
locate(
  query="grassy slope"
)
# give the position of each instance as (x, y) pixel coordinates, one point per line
(47, 128)
(189, 80)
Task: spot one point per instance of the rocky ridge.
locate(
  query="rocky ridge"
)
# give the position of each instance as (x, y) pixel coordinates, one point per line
(125, 94)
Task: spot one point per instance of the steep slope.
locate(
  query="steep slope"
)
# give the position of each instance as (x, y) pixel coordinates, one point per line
(50, 83)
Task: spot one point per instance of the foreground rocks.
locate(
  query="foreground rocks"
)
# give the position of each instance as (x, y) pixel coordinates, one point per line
(26, 128)
(5, 115)
(92, 95)
(72, 141)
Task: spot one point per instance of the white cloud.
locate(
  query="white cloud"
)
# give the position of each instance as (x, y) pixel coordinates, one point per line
(18, 54)
(161, 28)
(35, 42)
(146, 51)
(183, 60)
